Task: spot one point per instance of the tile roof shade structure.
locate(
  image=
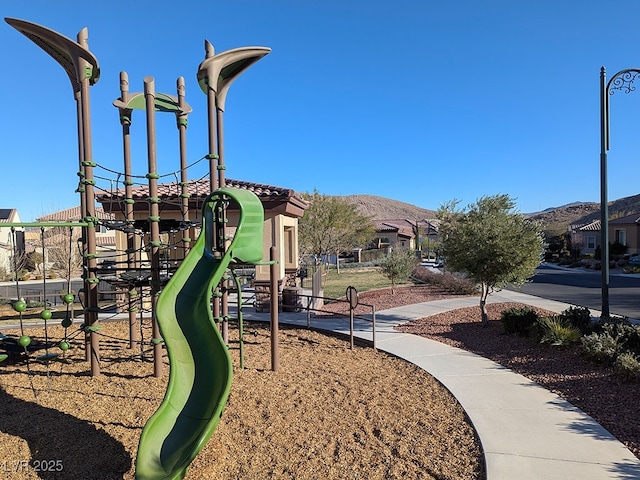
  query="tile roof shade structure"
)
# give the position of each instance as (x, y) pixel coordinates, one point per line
(73, 214)
(274, 199)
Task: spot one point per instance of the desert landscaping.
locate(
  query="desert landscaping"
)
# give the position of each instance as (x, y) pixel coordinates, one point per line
(330, 412)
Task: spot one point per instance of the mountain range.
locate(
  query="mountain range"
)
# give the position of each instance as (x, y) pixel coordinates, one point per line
(555, 220)
(382, 208)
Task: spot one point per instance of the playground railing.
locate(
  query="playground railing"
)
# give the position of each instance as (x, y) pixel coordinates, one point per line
(317, 306)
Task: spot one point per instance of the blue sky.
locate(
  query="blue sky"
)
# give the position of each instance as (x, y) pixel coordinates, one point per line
(415, 100)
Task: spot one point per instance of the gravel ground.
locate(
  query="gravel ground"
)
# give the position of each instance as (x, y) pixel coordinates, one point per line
(591, 387)
(330, 412)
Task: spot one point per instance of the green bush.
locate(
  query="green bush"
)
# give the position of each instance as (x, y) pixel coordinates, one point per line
(627, 334)
(518, 320)
(627, 367)
(557, 331)
(600, 347)
(579, 317)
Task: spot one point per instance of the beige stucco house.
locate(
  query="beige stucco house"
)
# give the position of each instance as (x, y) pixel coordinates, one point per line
(401, 233)
(9, 215)
(585, 237)
(626, 231)
(623, 230)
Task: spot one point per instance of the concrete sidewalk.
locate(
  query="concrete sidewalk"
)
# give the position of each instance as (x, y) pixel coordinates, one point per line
(527, 432)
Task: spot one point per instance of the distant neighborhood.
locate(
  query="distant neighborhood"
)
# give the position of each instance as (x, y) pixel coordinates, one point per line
(573, 231)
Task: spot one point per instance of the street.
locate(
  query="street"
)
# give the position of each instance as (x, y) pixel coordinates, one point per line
(583, 288)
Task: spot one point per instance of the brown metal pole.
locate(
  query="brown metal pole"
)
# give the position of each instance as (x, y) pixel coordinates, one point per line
(184, 182)
(125, 121)
(220, 131)
(273, 276)
(91, 281)
(224, 299)
(154, 218)
(81, 189)
(83, 214)
(351, 328)
(82, 68)
(213, 157)
(211, 117)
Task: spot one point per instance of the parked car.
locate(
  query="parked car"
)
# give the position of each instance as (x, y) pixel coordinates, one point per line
(635, 261)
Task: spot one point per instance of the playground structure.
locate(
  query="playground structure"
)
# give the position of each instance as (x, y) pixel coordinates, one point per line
(189, 308)
(174, 434)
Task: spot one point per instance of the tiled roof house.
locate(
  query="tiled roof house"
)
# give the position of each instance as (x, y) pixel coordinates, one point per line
(585, 236)
(400, 233)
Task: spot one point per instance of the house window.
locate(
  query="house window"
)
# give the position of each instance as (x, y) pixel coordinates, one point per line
(591, 242)
(621, 236)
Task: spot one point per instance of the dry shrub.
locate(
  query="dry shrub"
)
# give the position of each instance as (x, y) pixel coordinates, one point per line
(447, 281)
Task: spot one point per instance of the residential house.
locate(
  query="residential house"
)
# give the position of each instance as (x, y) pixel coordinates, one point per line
(585, 237)
(623, 230)
(402, 234)
(626, 231)
(8, 241)
(105, 238)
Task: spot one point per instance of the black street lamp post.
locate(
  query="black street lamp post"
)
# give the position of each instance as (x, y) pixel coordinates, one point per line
(621, 81)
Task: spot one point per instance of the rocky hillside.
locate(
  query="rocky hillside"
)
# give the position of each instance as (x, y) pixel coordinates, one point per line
(381, 208)
(557, 220)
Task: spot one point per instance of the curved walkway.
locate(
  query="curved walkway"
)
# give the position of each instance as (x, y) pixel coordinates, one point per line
(527, 432)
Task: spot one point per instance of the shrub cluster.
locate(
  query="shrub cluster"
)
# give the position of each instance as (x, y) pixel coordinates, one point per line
(615, 343)
(561, 329)
(627, 367)
(445, 280)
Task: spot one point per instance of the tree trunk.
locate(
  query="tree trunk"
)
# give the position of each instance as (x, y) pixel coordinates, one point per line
(483, 304)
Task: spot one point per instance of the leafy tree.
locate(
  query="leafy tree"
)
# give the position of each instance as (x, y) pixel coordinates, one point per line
(398, 266)
(491, 243)
(62, 252)
(331, 225)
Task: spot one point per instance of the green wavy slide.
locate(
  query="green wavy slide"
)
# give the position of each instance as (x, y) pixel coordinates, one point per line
(201, 367)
